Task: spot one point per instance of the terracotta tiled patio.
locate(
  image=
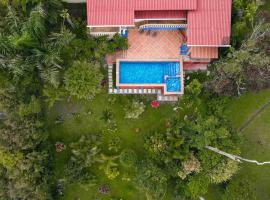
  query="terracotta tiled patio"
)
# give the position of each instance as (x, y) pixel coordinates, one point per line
(155, 44)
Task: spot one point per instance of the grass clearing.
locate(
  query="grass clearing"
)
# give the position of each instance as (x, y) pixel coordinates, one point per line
(240, 109)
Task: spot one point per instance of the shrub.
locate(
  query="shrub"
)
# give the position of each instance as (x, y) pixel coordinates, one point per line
(151, 179)
(29, 109)
(190, 166)
(128, 158)
(157, 146)
(52, 95)
(223, 171)
(109, 165)
(112, 172)
(83, 79)
(83, 155)
(114, 144)
(134, 110)
(196, 186)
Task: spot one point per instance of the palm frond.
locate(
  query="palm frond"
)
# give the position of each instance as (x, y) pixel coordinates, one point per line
(47, 58)
(50, 75)
(5, 46)
(61, 40)
(12, 20)
(35, 25)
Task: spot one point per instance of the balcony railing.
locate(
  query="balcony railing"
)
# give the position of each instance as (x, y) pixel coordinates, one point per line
(163, 27)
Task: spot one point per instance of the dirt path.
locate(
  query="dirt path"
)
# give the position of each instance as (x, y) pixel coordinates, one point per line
(254, 116)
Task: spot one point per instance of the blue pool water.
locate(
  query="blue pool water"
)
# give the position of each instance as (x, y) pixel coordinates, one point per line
(173, 84)
(150, 73)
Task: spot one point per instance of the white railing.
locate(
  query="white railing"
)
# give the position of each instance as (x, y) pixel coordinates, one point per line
(98, 34)
(167, 26)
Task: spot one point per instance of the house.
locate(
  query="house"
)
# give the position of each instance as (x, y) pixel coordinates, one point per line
(166, 38)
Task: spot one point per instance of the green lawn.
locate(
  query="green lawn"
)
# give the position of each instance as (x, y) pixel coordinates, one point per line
(239, 109)
(75, 126)
(255, 145)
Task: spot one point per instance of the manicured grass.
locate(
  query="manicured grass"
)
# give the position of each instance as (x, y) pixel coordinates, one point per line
(85, 123)
(239, 109)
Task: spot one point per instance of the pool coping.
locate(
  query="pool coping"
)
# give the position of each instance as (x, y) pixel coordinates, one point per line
(163, 85)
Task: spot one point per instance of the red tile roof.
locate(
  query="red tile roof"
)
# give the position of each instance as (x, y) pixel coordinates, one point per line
(204, 52)
(165, 4)
(161, 14)
(210, 24)
(121, 12)
(209, 21)
(110, 12)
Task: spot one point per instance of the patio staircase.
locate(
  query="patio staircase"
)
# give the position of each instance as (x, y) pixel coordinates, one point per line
(110, 76)
(166, 98)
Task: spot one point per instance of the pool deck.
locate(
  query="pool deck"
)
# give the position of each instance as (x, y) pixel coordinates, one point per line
(162, 86)
(150, 45)
(154, 44)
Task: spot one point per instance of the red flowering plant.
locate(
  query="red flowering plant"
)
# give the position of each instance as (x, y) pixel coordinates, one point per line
(155, 104)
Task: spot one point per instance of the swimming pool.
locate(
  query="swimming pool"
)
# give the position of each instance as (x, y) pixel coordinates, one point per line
(165, 74)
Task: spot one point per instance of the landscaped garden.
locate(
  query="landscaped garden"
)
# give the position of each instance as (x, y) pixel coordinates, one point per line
(62, 136)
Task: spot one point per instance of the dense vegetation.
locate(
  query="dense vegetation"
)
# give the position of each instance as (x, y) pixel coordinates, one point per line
(60, 131)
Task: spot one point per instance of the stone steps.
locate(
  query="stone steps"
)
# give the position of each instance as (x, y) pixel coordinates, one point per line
(110, 76)
(168, 98)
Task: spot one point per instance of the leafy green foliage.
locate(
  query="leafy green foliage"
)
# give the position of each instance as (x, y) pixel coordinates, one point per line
(219, 169)
(196, 187)
(134, 110)
(151, 180)
(223, 171)
(117, 43)
(115, 144)
(24, 165)
(84, 154)
(128, 158)
(82, 80)
(244, 69)
(32, 108)
(109, 165)
(192, 165)
(21, 135)
(26, 179)
(244, 14)
(166, 147)
(107, 115)
(52, 95)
